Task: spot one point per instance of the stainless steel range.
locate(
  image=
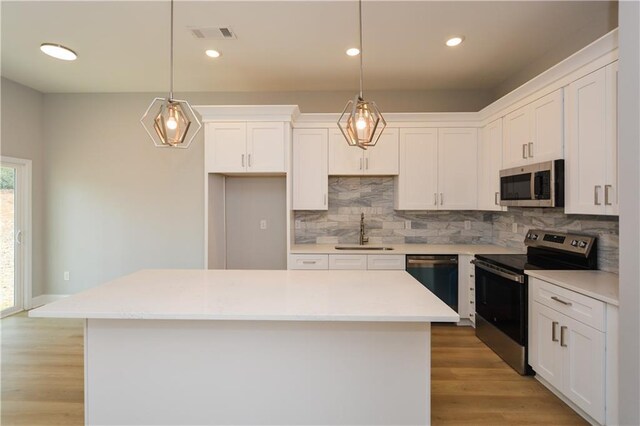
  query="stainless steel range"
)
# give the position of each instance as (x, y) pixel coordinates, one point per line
(502, 291)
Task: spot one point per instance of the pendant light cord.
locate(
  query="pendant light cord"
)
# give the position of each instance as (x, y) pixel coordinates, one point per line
(361, 52)
(171, 56)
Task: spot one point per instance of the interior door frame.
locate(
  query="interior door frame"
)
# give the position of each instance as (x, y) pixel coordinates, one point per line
(23, 201)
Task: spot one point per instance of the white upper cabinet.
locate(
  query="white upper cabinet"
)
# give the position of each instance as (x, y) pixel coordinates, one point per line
(310, 178)
(489, 165)
(438, 169)
(591, 160)
(381, 159)
(457, 169)
(534, 132)
(417, 182)
(240, 147)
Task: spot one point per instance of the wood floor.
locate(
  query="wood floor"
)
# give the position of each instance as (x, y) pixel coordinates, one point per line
(42, 379)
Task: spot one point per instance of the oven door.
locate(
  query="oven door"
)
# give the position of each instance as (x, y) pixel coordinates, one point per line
(516, 189)
(501, 300)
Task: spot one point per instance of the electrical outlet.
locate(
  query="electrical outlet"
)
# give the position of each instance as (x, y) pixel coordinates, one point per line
(66, 275)
(263, 224)
(467, 224)
(298, 224)
(514, 228)
(407, 224)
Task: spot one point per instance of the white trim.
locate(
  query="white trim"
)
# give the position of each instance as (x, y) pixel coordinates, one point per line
(45, 299)
(211, 113)
(23, 197)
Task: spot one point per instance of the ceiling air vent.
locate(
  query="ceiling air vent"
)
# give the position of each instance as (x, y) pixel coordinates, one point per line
(213, 33)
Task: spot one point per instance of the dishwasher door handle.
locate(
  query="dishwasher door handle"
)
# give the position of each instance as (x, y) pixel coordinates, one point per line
(430, 262)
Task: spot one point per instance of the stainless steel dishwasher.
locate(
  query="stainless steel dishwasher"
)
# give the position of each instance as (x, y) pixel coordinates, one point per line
(438, 273)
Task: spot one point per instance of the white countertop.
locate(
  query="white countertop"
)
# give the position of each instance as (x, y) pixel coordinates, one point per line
(599, 285)
(390, 296)
(469, 249)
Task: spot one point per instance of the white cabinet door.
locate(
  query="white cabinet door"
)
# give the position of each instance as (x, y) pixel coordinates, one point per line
(489, 166)
(611, 141)
(584, 367)
(547, 128)
(416, 185)
(545, 355)
(225, 147)
(310, 179)
(309, 261)
(517, 131)
(382, 159)
(457, 169)
(265, 147)
(534, 132)
(343, 158)
(585, 162)
(348, 261)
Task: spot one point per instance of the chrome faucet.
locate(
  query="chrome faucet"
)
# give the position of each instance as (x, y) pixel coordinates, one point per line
(363, 239)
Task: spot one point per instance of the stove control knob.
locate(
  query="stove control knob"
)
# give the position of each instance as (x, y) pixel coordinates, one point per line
(574, 243)
(529, 235)
(534, 237)
(582, 244)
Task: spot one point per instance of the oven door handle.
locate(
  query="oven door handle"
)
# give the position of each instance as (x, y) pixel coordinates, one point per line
(498, 271)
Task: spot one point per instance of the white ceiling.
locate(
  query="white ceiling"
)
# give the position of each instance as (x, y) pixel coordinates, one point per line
(283, 46)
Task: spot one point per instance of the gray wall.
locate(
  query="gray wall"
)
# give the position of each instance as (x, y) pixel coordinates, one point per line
(115, 203)
(22, 137)
(629, 159)
(248, 200)
(350, 196)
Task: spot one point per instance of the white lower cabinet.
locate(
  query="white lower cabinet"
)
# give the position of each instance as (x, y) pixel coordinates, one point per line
(380, 262)
(568, 354)
(308, 261)
(348, 261)
(466, 288)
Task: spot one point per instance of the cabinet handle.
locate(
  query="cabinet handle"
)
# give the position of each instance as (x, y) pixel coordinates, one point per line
(554, 338)
(562, 343)
(366, 164)
(606, 195)
(435, 198)
(308, 262)
(249, 157)
(596, 200)
(471, 314)
(441, 199)
(530, 150)
(471, 302)
(242, 160)
(495, 198)
(524, 151)
(471, 288)
(361, 164)
(561, 301)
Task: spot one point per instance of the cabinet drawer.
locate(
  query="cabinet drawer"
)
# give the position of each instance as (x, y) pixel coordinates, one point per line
(574, 305)
(347, 261)
(309, 261)
(386, 261)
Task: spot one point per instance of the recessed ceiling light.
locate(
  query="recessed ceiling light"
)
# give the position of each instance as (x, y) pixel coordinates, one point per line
(213, 53)
(58, 51)
(354, 51)
(454, 41)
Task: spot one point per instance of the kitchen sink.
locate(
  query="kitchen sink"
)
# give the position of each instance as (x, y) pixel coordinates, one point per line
(362, 248)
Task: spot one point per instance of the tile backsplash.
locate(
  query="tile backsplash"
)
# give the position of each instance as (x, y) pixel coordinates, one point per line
(373, 196)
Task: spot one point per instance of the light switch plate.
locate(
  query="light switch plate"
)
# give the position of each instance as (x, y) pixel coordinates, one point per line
(514, 227)
(66, 275)
(298, 224)
(467, 224)
(263, 224)
(407, 224)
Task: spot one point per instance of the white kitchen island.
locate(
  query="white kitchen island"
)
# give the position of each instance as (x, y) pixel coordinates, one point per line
(256, 347)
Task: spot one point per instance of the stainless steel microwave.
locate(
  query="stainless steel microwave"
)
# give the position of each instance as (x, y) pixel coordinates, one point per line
(534, 185)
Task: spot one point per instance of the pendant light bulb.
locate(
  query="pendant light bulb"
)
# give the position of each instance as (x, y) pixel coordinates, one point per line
(361, 122)
(170, 122)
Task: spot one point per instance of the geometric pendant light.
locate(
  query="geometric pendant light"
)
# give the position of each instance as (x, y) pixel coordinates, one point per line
(170, 122)
(361, 122)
